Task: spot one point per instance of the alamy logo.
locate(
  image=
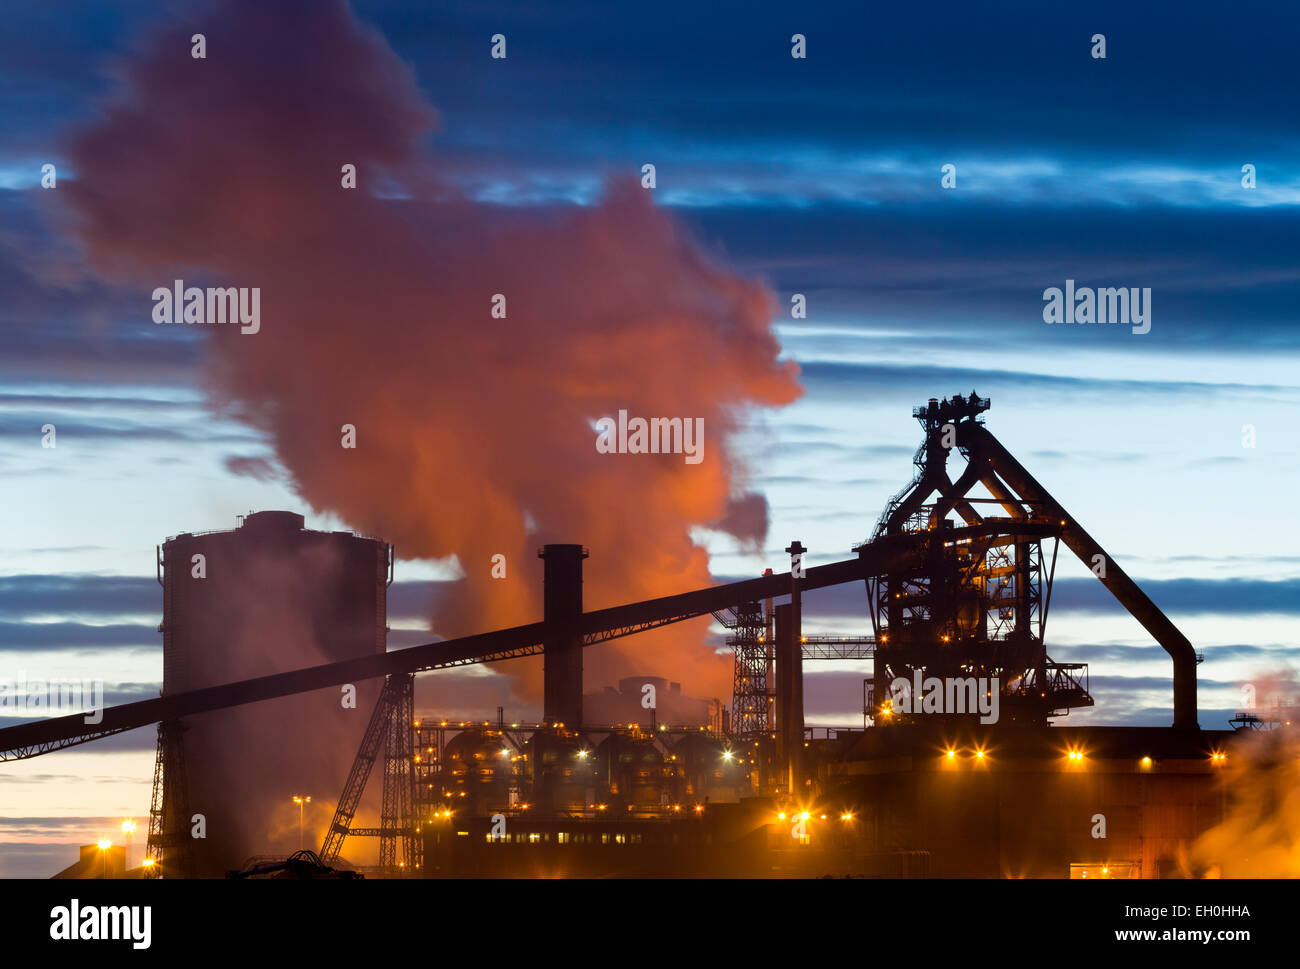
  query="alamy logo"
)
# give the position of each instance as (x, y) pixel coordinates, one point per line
(659, 435)
(1128, 307)
(216, 304)
(49, 698)
(951, 694)
(96, 923)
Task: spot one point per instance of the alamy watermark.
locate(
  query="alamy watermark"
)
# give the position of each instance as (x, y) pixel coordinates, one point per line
(21, 696)
(950, 694)
(658, 435)
(75, 922)
(216, 304)
(1109, 304)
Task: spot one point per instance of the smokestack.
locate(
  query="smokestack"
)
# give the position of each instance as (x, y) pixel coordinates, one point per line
(562, 656)
(789, 698)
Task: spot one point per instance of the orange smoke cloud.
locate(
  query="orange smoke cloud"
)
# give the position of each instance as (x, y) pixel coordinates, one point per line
(474, 435)
(1259, 836)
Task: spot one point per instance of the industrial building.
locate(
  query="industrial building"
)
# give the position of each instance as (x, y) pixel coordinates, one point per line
(266, 597)
(958, 770)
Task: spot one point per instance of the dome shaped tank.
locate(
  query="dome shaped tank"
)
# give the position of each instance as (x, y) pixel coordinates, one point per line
(562, 772)
(709, 769)
(640, 782)
(479, 769)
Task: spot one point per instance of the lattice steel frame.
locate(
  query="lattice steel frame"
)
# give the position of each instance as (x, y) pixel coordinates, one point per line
(399, 847)
(752, 696)
(169, 843)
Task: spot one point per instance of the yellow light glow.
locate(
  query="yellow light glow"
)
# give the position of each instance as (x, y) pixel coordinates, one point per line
(105, 845)
(148, 863)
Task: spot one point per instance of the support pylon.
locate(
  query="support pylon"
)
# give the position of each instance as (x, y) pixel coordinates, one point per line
(398, 841)
(391, 730)
(169, 845)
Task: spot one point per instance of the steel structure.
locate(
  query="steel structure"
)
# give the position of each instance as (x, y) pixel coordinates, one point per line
(33, 739)
(977, 601)
(752, 693)
(169, 844)
(974, 607)
(390, 732)
(398, 842)
(837, 647)
(944, 571)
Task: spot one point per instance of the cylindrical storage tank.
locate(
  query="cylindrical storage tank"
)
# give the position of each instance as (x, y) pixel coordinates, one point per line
(268, 597)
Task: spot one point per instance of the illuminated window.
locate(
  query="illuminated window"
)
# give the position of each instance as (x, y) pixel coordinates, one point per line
(534, 838)
(1104, 870)
(562, 837)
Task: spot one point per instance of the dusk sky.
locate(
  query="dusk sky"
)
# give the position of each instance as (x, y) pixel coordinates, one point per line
(818, 176)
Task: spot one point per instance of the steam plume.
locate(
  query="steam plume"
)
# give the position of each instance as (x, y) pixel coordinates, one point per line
(474, 434)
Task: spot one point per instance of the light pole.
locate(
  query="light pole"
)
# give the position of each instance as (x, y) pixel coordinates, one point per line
(103, 852)
(300, 801)
(128, 827)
